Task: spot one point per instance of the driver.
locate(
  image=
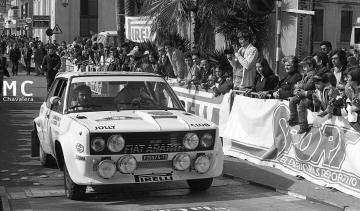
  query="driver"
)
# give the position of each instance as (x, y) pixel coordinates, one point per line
(83, 96)
(134, 92)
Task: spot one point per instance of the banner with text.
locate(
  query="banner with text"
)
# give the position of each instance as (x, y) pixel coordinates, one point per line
(327, 155)
(138, 29)
(200, 102)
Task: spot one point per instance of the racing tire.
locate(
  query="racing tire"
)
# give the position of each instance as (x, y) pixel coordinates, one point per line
(73, 191)
(200, 184)
(35, 142)
(45, 159)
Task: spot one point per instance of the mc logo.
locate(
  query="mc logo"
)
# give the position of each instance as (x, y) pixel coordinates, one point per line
(326, 143)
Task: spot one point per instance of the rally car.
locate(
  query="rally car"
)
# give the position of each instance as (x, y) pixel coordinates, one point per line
(105, 128)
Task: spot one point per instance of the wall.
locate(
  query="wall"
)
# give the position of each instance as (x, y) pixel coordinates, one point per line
(332, 20)
(68, 18)
(107, 15)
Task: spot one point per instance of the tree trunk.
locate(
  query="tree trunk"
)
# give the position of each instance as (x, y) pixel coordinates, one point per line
(120, 21)
(130, 7)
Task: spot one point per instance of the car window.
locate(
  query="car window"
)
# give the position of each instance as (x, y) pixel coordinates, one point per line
(111, 94)
(53, 88)
(59, 108)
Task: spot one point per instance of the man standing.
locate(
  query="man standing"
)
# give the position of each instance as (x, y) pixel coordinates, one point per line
(15, 56)
(51, 65)
(326, 47)
(27, 53)
(247, 56)
(177, 60)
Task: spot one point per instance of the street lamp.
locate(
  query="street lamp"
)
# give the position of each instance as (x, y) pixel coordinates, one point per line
(65, 3)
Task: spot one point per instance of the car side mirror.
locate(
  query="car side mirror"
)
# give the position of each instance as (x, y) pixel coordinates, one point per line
(55, 100)
(182, 103)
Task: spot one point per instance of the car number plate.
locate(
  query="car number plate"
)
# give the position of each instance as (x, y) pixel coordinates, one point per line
(155, 157)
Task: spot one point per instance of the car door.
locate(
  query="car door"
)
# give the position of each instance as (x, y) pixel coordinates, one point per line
(44, 112)
(53, 116)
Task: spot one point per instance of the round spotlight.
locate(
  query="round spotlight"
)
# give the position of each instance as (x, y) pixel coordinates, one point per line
(190, 141)
(116, 143)
(202, 164)
(127, 164)
(106, 169)
(181, 161)
(98, 144)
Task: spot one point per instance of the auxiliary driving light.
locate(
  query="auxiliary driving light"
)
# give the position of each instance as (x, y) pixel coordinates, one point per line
(202, 164)
(127, 164)
(106, 169)
(190, 141)
(206, 140)
(97, 144)
(115, 143)
(181, 161)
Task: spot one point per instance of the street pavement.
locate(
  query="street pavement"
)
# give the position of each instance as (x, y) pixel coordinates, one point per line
(26, 185)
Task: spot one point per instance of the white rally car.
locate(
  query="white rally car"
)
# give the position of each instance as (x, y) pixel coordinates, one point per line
(117, 127)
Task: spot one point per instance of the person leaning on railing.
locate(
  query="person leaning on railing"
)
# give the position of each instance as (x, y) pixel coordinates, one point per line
(265, 79)
(285, 87)
(222, 81)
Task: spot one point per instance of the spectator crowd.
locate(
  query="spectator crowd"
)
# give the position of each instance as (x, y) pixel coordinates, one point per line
(326, 82)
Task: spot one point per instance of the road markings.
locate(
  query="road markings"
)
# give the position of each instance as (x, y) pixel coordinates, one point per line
(41, 192)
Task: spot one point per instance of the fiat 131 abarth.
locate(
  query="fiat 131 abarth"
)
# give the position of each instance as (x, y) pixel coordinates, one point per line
(105, 128)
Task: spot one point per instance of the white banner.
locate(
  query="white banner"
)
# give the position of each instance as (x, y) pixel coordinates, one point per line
(257, 130)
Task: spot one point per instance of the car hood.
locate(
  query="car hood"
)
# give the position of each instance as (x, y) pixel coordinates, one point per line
(141, 121)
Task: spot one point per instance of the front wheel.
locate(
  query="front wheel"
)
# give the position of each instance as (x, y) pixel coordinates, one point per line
(72, 191)
(45, 159)
(200, 184)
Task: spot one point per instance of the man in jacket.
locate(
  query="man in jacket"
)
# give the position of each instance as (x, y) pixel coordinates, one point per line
(27, 53)
(247, 56)
(177, 60)
(51, 65)
(15, 56)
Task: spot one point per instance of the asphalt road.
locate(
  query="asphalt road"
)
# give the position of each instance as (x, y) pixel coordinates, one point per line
(26, 185)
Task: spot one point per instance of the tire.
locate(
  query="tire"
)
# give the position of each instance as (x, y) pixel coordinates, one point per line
(35, 142)
(45, 159)
(72, 191)
(200, 184)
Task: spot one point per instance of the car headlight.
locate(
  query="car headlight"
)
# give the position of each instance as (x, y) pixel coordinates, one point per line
(190, 141)
(115, 143)
(206, 140)
(202, 164)
(127, 164)
(181, 161)
(106, 169)
(97, 144)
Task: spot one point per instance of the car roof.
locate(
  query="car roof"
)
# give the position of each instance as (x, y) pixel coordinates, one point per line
(108, 33)
(102, 73)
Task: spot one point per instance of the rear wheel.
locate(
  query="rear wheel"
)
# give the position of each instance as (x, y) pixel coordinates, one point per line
(73, 191)
(200, 184)
(35, 142)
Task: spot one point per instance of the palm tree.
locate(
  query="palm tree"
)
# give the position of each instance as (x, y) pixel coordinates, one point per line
(120, 20)
(226, 17)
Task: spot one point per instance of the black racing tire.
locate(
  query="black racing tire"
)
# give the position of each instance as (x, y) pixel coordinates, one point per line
(200, 184)
(46, 160)
(73, 191)
(35, 142)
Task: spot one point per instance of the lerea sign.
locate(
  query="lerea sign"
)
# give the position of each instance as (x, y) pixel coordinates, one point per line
(138, 29)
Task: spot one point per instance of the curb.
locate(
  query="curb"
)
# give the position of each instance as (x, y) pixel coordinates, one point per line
(291, 193)
(5, 206)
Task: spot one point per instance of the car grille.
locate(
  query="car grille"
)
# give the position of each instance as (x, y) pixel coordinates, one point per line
(155, 164)
(150, 142)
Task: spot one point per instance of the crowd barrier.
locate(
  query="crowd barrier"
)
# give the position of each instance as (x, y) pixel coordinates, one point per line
(256, 130)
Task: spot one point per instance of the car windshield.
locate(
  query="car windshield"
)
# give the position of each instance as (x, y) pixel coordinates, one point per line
(107, 93)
